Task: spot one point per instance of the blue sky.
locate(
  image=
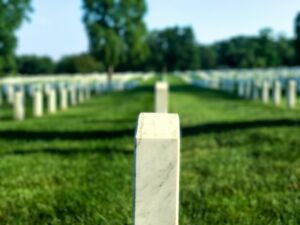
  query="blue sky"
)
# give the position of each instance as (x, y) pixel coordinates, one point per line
(56, 27)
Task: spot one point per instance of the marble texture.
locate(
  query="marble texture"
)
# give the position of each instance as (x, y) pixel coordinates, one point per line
(292, 94)
(19, 106)
(161, 97)
(37, 103)
(157, 167)
(265, 92)
(277, 93)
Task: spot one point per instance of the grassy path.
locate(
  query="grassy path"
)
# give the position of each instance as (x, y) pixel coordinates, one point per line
(240, 161)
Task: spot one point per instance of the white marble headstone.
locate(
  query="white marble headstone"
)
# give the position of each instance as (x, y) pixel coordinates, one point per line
(277, 93)
(37, 103)
(51, 94)
(10, 94)
(19, 105)
(265, 92)
(157, 166)
(63, 98)
(292, 94)
(161, 97)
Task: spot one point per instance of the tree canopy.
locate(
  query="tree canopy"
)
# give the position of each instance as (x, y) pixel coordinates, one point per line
(116, 31)
(297, 40)
(12, 13)
(31, 64)
(173, 49)
(119, 40)
(83, 63)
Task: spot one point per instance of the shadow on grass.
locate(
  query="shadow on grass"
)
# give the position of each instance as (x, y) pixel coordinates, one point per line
(70, 152)
(242, 125)
(206, 93)
(98, 121)
(107, 134)
(64, 135)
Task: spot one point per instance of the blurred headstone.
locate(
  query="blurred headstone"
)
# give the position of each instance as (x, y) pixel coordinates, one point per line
(161, 97)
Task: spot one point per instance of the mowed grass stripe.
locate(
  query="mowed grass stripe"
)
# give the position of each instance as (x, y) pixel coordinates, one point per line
(240, 161)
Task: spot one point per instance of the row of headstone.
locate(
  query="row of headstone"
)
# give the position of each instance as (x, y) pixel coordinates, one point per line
(69, 90)
(56, 99)
(161, 97)
(250, 89)
(157, 164)
(254, 89)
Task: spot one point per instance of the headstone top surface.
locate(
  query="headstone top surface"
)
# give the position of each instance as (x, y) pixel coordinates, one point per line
(158, 126)
(162, 84)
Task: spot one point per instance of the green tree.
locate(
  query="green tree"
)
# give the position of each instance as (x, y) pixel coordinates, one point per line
(83, 63)
(285, 50)
(267, 48)
(173, 49)
(134, 31)
(208, 57)
(31, 64)
(12, 13)
(116, 31)
(297, 41)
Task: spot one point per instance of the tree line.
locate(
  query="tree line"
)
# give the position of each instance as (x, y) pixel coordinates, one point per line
(119, 41)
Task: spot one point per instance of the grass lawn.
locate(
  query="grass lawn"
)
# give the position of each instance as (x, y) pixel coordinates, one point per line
(240, 161)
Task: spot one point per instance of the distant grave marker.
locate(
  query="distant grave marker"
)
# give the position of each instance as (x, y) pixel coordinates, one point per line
(277, 93)
(63, 97)
(51, 94)
(19, 105)
(161, 97)
(292, 94)
(37, 103)
(265, 92)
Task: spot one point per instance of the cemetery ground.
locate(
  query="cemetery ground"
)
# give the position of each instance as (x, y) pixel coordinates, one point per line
(240, 160)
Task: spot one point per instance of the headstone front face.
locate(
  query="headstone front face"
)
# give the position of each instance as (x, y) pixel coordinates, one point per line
(10, 94)
(63, 98)
(265, 92)
(52, 101)
(19, 106)
(292, 94)
(37, 103)
(157, 160)
(277, 93)
(161, 97)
